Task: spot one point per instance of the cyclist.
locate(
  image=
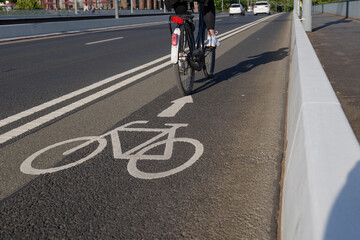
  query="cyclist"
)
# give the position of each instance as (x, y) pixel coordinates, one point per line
(180, 7)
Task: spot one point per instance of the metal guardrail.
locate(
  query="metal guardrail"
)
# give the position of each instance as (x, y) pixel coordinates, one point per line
(66, 13)
(348, 9)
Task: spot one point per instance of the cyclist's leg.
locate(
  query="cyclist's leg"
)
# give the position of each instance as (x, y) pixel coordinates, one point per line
(209, 19)
(211, 41)
(209, 16)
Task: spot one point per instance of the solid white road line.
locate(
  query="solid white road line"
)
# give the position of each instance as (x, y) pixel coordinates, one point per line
(105, 40)
(62, 111)
(242, 28)
(53, 102)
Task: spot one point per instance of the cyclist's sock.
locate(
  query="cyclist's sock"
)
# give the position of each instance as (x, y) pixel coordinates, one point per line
(208, 42)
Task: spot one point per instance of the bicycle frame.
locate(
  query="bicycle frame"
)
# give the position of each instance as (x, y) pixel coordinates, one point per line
(187, 20)
(200, 37)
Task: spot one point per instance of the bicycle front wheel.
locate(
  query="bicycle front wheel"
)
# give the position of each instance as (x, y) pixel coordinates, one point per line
(183, 71)
(209, 66)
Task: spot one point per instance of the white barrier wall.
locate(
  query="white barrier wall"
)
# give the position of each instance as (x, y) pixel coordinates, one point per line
(321, 192)
(349, 9)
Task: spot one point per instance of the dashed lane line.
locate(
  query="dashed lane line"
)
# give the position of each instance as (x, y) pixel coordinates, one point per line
(105, 40)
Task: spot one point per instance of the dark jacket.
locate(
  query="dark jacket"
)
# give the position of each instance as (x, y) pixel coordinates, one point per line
(170, 3)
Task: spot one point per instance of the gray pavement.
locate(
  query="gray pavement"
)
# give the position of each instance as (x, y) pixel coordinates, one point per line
(231, 192)
(336, 42)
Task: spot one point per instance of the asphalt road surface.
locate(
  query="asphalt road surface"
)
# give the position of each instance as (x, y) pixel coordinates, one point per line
(215, 171)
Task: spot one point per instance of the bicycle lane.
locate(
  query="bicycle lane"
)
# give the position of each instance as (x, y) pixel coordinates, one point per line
(231, 191)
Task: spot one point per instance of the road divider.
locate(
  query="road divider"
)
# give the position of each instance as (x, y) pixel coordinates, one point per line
(320, 196)
(153, 66)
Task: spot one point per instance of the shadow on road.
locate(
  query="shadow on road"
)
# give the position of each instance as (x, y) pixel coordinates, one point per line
(242, 67)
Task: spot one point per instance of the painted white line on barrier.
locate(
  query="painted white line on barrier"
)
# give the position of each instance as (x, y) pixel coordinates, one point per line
(62, 111)
(105, 40)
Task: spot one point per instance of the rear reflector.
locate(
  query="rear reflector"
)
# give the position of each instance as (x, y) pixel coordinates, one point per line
(178, 20)
(174, 39)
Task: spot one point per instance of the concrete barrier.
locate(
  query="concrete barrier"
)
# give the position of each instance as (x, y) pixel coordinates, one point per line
(321, 191)
(350, 9)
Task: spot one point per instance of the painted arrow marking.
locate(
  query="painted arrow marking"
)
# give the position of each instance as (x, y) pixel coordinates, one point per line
(175, 108)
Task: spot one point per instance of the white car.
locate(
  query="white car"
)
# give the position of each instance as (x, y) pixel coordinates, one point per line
(236, 8)
(261, 7)
(249, 9)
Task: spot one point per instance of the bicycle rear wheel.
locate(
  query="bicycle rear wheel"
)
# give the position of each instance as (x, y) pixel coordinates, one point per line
(209, 66)
(183, 72)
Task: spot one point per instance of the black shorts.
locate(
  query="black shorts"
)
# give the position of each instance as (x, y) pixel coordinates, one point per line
(209, 12)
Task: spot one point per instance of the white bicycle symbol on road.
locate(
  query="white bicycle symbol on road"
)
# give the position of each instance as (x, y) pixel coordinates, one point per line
(140, 152)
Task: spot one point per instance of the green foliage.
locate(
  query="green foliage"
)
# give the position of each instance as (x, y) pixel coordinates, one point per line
(227, 3)
(281, 5)
(27, 4)
(317, 2)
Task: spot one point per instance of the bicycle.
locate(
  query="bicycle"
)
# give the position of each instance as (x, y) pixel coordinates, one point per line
(133, 155)
(189, 55)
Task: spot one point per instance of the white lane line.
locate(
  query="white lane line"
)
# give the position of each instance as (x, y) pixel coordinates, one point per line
(105, 40)
(242, 28)
(53, 102)
(51, 116)
(62, 111)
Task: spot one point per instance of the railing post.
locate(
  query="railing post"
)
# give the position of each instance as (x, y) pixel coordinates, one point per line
(116, 8)
(76, 10)
(307, 17)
